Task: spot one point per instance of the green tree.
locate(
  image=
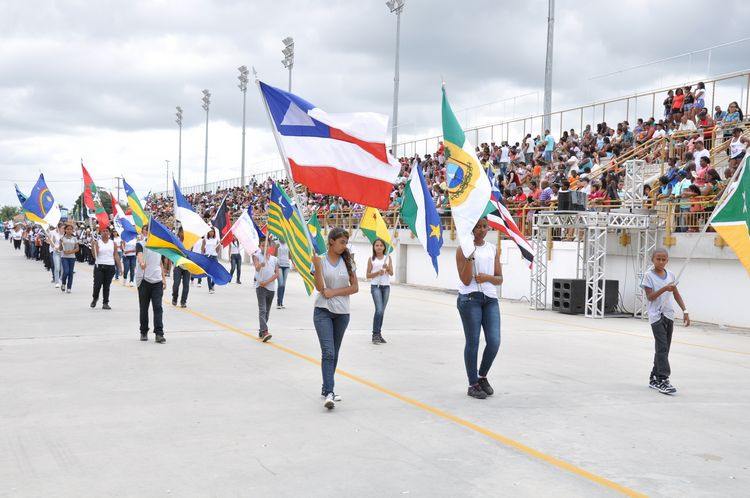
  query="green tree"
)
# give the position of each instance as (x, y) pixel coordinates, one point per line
(8, 212)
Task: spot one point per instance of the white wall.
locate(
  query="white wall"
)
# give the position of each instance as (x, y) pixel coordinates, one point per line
(715, 286)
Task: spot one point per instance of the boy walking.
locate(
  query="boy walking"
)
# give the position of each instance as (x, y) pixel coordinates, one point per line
(151, 278)
(660, 285)
(266, 273)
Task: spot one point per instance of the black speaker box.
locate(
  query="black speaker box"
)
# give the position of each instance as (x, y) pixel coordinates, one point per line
(568, 295)
(571, 200)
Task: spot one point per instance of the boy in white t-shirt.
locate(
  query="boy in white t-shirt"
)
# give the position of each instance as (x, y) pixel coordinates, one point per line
(658, 283)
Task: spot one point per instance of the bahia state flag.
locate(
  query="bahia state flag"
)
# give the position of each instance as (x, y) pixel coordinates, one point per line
(374, 228)
(468, 188)
(192, 224)
(40, 207)
(333, 154)
(419, 212)
(731, 218)
(246, 232)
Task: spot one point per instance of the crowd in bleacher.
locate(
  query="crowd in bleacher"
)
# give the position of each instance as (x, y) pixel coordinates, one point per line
(532, 172)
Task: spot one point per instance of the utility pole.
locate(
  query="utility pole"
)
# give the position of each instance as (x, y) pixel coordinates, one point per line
(167, 161)
(547, 119)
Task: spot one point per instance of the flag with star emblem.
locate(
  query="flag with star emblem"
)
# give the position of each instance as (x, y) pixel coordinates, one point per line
(419, 212)
(731, 218)
(286, 222)
(374, 228)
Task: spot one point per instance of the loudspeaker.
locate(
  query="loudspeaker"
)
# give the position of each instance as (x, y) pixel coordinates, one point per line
(571, 200)
(568, 295)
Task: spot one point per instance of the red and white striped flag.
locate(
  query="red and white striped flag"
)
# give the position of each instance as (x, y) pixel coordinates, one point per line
(333, 154)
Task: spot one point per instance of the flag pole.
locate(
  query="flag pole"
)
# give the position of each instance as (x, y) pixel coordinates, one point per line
(708, 223)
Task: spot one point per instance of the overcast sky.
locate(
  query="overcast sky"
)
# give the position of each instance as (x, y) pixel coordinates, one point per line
(100, 80)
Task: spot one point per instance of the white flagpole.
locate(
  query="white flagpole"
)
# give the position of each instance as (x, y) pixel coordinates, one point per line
(723, 196)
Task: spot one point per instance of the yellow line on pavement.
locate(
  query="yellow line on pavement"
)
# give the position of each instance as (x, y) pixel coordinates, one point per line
(562, 464)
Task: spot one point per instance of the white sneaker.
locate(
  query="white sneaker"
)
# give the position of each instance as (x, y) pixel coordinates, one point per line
(132, 284)
(200, 284)
(57, 286)
(330, 402)
(211, 291)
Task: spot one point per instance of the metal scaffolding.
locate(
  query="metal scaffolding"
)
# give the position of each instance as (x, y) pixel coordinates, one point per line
(591, 228)
(635, 177)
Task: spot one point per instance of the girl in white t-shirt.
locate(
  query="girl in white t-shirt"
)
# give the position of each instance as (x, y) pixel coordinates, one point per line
(380, 270)
(479, 273)
(211, 249)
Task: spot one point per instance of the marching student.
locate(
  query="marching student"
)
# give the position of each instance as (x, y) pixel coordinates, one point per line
(128, 251)
(235, 256)
(105, 260)
(282, 253)
(477, 304)
(16, 236)
(210, 248)
(660, 285)
(68, 249)
(53, 239)
(180, 276)
(151, 279)
(380, 270)
(118, 247)
(199, 248)
(266, 274)
(335, 281)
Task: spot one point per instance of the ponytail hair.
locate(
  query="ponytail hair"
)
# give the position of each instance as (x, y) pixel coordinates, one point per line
(336, 234)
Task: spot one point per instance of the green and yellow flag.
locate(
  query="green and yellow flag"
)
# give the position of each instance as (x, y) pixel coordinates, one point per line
(316, 234)
(731, 218)
(373, 227)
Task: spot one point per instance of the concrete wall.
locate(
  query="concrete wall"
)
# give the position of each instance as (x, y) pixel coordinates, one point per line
(715, 286)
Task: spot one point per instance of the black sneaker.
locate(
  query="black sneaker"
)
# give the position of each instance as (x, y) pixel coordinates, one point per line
(653, 383)
(105, 306)
(485, 386)
(666, 388)
(174, 302)
(265, 337)
(382, 341)
(93, 303)
(183, 305)
(476, 392)
(375, 339)
(144, 337)
(160, 339)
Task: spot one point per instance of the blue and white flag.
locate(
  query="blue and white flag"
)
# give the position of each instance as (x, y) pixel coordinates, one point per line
(419, 212)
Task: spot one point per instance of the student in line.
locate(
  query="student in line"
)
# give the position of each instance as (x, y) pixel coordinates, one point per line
(105, 260)
(128, 251)
(211, 248)
(660, 285)
(235, 257)
(335, 281)
(68, 249)
(266, 274)
(282, 253)
(151, 279)
(118, 247)
(53, 239)
(180, 276)
(479, 275)
(380, 270)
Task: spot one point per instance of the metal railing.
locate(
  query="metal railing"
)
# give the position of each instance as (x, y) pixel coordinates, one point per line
(577, 117)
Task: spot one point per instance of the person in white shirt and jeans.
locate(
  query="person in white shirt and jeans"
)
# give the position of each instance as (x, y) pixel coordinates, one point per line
(151, 279)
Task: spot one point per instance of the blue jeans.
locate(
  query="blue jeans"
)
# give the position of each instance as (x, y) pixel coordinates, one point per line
(117, 268)
(283, 272)
(330, 328)
(479, 312)
(380, 294)
(211, 280)
(67, 272)
(128, 264)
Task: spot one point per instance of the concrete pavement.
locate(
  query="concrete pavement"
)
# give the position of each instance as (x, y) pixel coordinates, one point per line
(89, 410)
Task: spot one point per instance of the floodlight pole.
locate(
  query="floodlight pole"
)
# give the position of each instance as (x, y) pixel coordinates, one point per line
(179, 147)
(547, 119)
(206, 104)
(396, 6)
(243, 88)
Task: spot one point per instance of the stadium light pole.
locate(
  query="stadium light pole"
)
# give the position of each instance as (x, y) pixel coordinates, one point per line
(288, 61)
(206, 104)
(167, 161)
(547, 120)
(179, 147)
(243, 88)
(396, 6)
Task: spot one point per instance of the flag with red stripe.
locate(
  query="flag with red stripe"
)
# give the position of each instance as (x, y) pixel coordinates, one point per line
(499, 218)
(333, 154)
(92, 200)
(222, 223)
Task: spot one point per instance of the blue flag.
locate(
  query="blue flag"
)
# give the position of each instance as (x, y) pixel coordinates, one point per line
(40, 207)
(21, 198)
